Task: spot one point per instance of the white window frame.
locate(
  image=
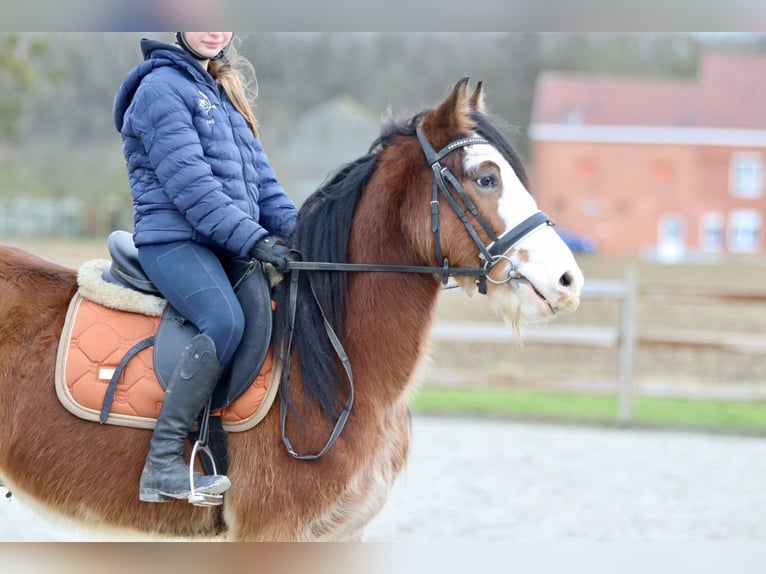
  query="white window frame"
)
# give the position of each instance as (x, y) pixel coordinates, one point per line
(712, 232)
(671, 246)
(746, 175)
(745, 231)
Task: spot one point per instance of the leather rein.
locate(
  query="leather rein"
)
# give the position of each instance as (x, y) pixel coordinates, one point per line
(490, 255)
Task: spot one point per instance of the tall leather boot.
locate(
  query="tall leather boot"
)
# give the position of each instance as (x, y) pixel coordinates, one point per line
(166, 475)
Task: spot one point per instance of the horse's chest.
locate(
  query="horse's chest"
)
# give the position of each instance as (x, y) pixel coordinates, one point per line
(367, 489)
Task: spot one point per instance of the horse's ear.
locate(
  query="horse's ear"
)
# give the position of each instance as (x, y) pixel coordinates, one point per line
(451, 117)
(477, 98)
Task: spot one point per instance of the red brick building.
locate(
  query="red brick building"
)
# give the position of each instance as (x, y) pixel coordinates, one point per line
(659, 167)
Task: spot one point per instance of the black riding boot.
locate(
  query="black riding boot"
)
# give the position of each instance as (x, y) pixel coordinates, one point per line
(166, 475)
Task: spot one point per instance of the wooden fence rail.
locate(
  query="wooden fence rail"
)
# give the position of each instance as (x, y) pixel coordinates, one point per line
(623, 336)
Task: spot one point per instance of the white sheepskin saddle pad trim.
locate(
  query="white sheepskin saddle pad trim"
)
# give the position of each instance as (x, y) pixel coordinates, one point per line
(92, 286)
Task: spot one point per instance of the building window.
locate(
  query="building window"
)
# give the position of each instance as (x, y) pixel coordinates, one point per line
(711, 232)
(573, 117)
(746, 175)
(745, 228)
(671, 237)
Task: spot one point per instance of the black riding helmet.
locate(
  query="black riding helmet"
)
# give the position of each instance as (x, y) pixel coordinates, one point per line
(182, 42)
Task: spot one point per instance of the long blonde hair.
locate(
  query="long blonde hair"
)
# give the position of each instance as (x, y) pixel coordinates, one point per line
(237, 76)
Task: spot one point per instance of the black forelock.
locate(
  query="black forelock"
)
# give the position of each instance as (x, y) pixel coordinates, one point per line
(393, 129)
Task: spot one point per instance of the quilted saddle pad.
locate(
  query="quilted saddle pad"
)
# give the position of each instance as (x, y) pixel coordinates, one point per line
(94, 340)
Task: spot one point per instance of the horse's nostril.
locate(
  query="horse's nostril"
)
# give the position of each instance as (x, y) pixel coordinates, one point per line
(566, 279)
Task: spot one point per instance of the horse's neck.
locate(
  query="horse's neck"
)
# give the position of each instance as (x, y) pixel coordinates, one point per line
(388, 314)
(387, 327)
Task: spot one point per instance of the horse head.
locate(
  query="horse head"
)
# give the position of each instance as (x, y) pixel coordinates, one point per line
(492, 221)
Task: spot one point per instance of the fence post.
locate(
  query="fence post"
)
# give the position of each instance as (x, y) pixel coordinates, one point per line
(627, 337)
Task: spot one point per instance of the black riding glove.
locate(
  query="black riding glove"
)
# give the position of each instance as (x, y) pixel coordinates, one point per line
(269, 251)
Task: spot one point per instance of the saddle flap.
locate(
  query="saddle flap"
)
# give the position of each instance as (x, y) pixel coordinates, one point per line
(251, 284)
(253, 287)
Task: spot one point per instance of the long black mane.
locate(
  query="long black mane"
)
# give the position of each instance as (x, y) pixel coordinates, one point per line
(322, 234)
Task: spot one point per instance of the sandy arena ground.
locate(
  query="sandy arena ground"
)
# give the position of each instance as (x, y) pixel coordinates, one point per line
(492, 480)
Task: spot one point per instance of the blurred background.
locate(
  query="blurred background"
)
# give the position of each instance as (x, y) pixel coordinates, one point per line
(647, 149)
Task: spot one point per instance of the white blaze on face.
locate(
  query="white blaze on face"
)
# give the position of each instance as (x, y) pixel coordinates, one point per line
(552, 279)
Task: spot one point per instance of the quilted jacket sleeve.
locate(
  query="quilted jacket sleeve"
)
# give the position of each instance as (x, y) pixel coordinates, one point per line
(165, 125)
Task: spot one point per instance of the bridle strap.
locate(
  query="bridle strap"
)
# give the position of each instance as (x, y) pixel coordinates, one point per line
(493, 250)
(448, 177)
(435, 222)
(372, 267)
(442, 180)
(516, 234)
(464, 220)
(433, 157)
(285, 382)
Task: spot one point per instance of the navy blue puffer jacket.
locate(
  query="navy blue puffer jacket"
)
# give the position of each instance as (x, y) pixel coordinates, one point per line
(196, 171)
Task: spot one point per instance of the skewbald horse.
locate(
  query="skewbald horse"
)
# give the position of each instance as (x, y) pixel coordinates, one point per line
(377, 210)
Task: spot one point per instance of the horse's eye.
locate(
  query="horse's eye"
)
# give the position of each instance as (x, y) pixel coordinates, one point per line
(486, 182)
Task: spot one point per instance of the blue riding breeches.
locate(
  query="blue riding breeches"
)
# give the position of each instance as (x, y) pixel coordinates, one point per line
(191, 277)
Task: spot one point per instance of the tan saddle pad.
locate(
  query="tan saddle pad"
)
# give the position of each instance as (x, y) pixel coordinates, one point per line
(94, 340)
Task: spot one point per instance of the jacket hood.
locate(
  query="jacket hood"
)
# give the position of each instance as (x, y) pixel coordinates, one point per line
(156, 55)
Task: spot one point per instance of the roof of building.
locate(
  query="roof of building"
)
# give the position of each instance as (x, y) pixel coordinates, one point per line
(726, 94)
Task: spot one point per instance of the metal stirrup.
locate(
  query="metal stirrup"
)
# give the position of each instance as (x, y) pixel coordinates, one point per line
(201, 446)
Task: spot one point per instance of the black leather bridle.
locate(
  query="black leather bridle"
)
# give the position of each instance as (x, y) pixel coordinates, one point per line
(444, 181)
(491, 254)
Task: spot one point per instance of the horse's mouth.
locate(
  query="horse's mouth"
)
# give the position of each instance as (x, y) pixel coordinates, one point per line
(523, 282)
